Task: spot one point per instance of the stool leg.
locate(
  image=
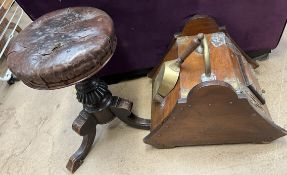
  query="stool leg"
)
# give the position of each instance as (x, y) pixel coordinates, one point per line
(94, 91)
(100, 107)
(122, 109)
(84, 125)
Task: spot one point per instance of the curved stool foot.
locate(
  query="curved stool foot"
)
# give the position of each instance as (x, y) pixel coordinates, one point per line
(85, 126)
(78, 157)
(122, 109)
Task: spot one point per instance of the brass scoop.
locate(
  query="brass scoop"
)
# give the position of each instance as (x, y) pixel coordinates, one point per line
(169, 71)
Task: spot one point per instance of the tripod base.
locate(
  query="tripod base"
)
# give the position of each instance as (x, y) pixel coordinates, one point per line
(100, 107)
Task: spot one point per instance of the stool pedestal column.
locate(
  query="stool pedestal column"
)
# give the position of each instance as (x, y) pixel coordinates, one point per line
(99, 107)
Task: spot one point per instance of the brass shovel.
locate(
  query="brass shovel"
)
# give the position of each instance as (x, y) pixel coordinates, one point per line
(169, 71)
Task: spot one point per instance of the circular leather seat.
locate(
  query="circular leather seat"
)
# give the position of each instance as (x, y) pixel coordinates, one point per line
(62, 48)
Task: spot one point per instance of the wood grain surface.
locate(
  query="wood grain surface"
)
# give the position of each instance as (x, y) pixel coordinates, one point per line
(214, 112)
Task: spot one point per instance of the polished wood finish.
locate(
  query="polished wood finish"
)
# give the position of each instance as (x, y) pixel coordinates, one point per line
(214, 112)
(84, 125)
(198, 24)
(100, 107)
(122, 109)
(247, 57)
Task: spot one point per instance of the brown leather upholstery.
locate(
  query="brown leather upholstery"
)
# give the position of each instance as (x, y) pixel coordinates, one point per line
(62, 47)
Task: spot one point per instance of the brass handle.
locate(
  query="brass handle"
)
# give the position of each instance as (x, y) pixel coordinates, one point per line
(208, 75)
(206, 57)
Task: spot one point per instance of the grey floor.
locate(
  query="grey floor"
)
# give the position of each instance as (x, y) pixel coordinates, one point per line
(36, 135)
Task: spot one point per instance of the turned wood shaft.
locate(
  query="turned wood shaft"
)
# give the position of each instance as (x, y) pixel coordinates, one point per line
(195, 42)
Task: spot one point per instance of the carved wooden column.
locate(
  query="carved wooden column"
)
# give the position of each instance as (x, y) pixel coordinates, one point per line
(100, 107)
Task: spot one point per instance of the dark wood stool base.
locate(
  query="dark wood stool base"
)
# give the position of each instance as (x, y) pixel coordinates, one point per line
(100, 107)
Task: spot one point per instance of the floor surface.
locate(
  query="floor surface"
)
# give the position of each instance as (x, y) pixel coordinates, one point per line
(36, 135)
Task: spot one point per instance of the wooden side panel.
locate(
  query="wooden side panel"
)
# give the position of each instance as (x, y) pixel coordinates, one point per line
(159, 111)
(224, 64)
(214, 114)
